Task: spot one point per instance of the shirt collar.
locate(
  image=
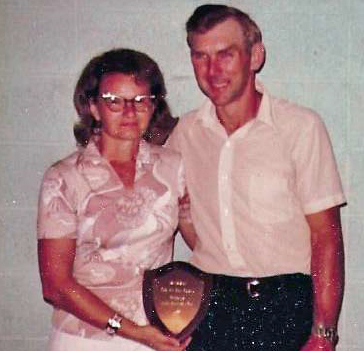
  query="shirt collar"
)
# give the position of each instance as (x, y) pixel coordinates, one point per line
(92, 153)
(265, 112)
(97, 170)
(207, 112)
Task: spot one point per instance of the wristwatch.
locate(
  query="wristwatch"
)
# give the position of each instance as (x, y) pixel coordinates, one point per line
(329, 334)
(113, 324)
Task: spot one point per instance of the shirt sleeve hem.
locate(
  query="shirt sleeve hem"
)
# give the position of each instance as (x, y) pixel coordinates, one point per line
(324, 204)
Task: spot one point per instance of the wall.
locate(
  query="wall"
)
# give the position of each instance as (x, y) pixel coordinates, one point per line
(315, 57)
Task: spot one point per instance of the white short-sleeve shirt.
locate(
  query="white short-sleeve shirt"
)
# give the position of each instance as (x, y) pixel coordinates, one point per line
(250, 191)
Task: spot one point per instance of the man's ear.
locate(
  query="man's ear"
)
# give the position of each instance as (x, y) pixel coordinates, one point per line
(94, 110)
(257, 57)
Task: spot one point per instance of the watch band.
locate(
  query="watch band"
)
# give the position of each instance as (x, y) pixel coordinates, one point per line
(113, 324)
(329, 334)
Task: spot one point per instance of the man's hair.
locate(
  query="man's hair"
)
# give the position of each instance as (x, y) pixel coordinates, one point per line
(125, 61)
(207, 16)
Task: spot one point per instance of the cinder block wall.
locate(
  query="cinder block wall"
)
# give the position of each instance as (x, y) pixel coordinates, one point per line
(315, 57)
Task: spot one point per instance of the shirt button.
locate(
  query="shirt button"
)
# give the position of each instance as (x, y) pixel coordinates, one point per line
(226, 211)
(228, 144)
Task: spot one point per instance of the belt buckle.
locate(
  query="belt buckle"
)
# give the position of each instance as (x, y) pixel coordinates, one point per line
(249, 284)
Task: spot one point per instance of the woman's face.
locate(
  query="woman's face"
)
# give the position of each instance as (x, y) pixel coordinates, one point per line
(124, 107)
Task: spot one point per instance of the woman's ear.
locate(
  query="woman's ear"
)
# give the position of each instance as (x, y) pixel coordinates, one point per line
(94, 110)
(257, 57)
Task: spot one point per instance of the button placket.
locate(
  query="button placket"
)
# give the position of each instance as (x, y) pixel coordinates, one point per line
(226, 213)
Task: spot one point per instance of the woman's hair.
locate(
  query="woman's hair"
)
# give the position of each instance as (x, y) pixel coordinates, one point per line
(128, 62)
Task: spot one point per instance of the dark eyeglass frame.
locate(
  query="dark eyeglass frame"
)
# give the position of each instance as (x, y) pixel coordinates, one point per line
(116, 103)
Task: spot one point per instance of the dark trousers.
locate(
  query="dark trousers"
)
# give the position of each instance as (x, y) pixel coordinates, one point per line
(266, 314)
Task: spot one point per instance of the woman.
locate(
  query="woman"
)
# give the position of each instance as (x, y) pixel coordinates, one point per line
(108, 211)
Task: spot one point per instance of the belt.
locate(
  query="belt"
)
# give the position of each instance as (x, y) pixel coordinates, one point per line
(254, 287)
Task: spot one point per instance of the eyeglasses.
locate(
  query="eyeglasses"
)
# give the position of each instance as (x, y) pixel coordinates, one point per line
(141, 103)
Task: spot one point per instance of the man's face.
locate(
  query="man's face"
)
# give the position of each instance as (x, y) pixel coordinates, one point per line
(221, 62)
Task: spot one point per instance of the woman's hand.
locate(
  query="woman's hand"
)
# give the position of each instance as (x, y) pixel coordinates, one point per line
(56, 258)
(155, 339)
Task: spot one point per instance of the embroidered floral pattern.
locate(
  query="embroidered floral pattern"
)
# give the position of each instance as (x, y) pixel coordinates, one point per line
(120, 232)
(132, 208)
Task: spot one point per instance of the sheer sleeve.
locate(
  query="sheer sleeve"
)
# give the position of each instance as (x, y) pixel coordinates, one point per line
(56, 211)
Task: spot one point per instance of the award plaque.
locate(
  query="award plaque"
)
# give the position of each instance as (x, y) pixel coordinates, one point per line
(176, 297)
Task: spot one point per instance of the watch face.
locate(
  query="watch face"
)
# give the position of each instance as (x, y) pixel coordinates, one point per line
(114, 323)
(329, 334)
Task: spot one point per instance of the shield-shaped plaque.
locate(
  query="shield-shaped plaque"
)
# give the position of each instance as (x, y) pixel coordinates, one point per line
(176, 297)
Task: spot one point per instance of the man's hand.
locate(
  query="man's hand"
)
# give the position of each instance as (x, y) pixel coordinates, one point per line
(185, 225)
(327, 271)
(316, 343)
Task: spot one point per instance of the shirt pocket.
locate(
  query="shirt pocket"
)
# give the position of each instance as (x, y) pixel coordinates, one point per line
(270, 198)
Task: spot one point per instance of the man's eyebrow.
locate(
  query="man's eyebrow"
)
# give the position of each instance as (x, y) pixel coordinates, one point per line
(228, 48)
(193, 51)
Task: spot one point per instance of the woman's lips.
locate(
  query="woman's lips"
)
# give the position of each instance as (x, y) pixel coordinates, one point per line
(129, 124)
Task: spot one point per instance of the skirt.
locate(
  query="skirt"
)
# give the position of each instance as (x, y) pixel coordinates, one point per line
(60, 341)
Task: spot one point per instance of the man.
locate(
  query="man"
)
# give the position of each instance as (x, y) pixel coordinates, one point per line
(264, 198)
